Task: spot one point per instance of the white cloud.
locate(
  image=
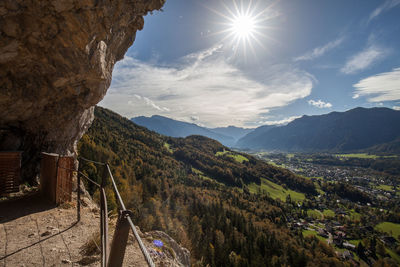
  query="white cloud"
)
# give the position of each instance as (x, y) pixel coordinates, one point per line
(319, 51)
(280, 122)
(320, 104)
(194, 118)
(396, 107)
(380, 87)
(364, 59)
(205, 85)
(388, 4)
(147, 102)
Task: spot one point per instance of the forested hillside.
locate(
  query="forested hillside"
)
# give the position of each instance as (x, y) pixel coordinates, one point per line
(196, 190)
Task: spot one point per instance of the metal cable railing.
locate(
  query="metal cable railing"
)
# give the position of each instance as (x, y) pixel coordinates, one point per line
(115, 256)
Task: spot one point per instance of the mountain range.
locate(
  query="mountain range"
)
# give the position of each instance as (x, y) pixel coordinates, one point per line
(227, 136)
(354, 130)
(359, 129)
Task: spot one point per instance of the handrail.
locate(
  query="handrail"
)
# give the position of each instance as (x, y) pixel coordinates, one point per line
(115, 256)
(136, 234)
(92, 161)
(121, 203)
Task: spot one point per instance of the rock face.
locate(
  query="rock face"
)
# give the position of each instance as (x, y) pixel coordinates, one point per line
(171, 254)
(56, 62)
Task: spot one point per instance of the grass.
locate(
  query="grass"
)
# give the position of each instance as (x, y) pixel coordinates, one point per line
(92, 245)
(273, 163)
(354, 215)
(393, 255)
(310, 233)
(203, 176)
(314, 214)
(390, 228)
(363, 156)
(221, 153)
(168, 147)
(385, 187)
(318, 187)
(329, 213)
(239, 158)
(358, 155)
(275, 191)
(290, 155)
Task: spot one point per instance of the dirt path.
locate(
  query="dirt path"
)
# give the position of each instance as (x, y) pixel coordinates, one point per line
(35, 233)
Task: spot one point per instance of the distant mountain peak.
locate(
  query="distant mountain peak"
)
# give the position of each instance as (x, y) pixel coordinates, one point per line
(174, 128)
(352, 130)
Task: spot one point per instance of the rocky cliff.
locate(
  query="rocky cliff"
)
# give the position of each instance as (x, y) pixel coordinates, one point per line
(56, 62)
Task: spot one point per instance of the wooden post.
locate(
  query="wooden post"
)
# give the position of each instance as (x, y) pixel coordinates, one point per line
(78, 198)
(48, 176)
(56, 177)
(120, 239)
(65, 169)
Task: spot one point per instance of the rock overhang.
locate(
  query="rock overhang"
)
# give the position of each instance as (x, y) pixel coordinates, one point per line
(56, 62)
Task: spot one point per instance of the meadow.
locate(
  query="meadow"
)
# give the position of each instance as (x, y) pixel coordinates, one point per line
(275, 191)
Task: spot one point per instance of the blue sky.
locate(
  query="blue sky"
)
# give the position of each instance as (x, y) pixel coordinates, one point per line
(302, 57)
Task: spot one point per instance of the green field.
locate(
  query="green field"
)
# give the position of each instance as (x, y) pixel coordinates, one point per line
(273, 163)
(168, 147)
(357, 155)
(329, 213)
(239, 158)
(221, 153)
(316, 214)
(393, 255)
(391, 228)
(275, 191)
(205, 177)
(354, 215)
(385, 187)
(363, 156)
(310, 233)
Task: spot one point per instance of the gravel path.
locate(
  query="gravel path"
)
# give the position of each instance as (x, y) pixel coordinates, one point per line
(36, 233)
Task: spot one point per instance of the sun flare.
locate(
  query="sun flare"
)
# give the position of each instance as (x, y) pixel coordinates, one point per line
(243, 26)
(246, 24)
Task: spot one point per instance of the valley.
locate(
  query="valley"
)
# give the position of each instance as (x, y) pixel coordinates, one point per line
(251, 209)
(358, 197)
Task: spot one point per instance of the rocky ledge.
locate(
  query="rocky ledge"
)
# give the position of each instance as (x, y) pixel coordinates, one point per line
(56, 62)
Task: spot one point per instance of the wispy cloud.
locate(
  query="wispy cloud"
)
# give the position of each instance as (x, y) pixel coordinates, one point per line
(280, 122)
(364, 59)
(380, 87)
(147, 102)
(203, 85)
(388, 4)
(320, 104)
(320, 51)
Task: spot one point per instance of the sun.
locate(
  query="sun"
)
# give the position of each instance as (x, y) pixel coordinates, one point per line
(243, 26)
